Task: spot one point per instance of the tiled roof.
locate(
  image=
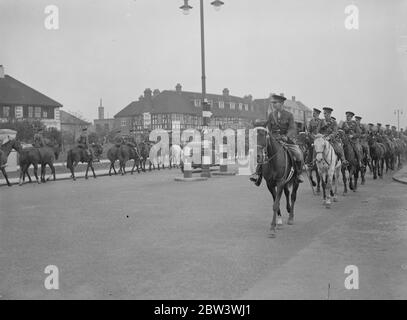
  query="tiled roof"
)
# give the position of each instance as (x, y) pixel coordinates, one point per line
(14, 92)
(170, 101)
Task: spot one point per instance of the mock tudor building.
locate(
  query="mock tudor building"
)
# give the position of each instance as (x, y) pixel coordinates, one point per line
(300, 112)
(183, 109)
(21, 102)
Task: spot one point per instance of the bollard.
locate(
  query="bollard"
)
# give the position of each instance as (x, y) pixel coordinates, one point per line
(187, 170)
(223, 161)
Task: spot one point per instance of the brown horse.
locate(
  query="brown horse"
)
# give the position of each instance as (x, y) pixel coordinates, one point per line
(5, 150)
(44, 156)
(78, 154)
(113, 155)
(377, 152)
(352, 166)
(278, 171)
(128, 152)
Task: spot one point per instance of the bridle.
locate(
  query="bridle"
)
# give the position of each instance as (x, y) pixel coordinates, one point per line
(266, 158)
(323, 152)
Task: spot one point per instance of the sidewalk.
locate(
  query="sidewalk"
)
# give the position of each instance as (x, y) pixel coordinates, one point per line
(401, 176)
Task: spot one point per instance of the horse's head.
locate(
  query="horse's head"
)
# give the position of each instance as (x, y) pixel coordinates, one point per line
(262, 143)
(97, 149)
(16, 145)
(319, 147)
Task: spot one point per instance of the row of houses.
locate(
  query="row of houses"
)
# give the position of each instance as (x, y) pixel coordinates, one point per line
(179, 109)
(155, 109)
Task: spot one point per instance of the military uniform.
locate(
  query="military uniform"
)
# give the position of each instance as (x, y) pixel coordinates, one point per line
(313, 129)
(351, 128)
(118, 139)
(83, 142)
(329, 128)
(282, 122)
(388, 131)
(38, 140)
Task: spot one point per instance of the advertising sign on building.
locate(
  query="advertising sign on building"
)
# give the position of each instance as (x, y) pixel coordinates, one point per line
(147, 119)
(19, 112)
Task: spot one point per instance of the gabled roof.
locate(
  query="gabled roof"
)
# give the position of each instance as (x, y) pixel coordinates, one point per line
(14, 92)
(69, 119)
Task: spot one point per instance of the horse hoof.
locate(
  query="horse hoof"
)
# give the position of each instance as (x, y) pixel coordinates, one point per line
(328, 206)
(335, 199)
(290, 221)
(279, 221)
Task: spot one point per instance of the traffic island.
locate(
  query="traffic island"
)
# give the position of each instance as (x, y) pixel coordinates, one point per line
(401, 176)
(187, 169)
(224, 170)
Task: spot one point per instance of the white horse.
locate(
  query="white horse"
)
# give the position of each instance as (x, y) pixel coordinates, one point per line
(175, 156)
(329, 168)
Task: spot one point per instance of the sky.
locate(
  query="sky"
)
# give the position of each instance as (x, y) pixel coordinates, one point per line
(114, 50)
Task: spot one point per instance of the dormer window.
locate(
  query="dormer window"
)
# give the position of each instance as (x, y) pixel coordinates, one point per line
(221, 105)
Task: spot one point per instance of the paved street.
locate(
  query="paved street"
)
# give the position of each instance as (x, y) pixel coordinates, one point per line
(148, 237)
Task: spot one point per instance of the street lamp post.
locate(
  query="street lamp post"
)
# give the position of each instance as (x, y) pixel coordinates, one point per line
(206, 113)
(398, 112)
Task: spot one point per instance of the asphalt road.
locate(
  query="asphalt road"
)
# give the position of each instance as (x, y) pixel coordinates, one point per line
(149, 237)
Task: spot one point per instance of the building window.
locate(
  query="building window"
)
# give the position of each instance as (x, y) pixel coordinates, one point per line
(221, 105)
(123, 123)
(37, 112)
(45, 113)
(197, 102)
(232, 106)
(6, 112)
(30, 112)
(240, 106)
(246, 107)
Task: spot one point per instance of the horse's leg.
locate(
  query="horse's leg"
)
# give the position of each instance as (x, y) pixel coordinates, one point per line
(293, 199)
(276, 208)
(345, 187)
(36, 173)
(329, 177)
(87, 169)
(356, 175)
(53, 171)
(93, 169)
(3, 170)
(134, 165)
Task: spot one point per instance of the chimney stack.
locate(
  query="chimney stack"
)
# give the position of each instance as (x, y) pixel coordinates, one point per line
(293, 98)
(178, 88)
(282, 94)
(226, 92)
(140, 98)
(147, 93)
(1, 71)
(101, 110)
(156, 92)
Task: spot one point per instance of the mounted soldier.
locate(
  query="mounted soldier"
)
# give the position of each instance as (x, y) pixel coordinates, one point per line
(329, 128)
(281, 122)
(83, 141)
(118, 139)
(313, 129)
(369, 129)
(394, 132)
(379, 129)
(131, 139)
(39, 139)
(351, 128)
(363, 138)
(388, 131)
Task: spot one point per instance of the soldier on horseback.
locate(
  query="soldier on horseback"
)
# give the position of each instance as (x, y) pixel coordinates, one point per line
(39, 139)
(379, 129)
(329, 128)
(363, 138)
(282, 122)
(313, 129)
(83, 141)
(388, 131)
(118, 139)
(351, 128)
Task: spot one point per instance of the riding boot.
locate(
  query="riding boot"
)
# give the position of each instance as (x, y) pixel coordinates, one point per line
(257, 176)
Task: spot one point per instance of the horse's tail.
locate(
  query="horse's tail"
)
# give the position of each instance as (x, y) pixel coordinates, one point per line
(69, 160)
